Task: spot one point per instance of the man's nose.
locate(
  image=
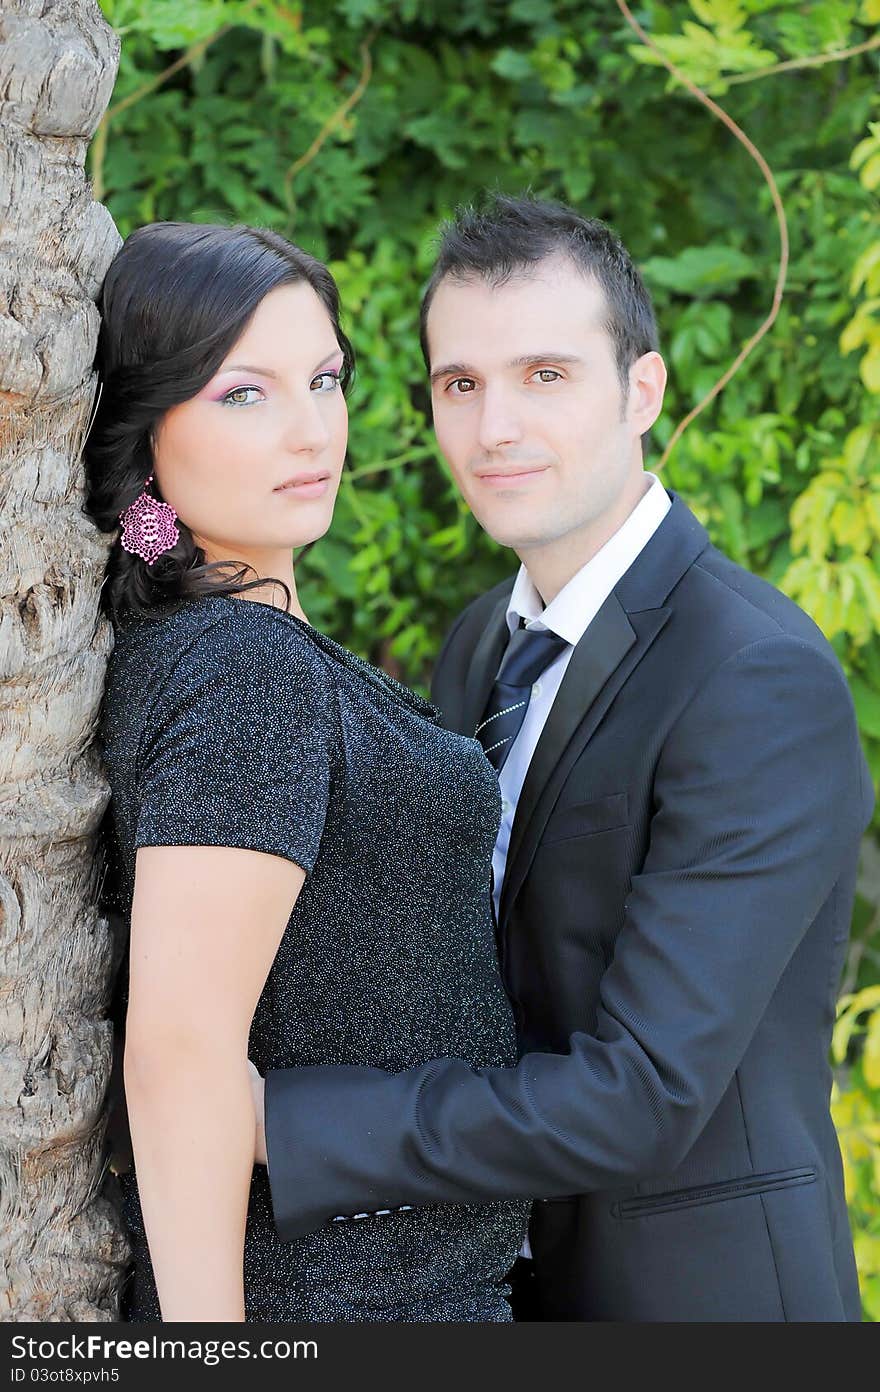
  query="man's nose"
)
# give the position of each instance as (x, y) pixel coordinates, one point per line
(499, 420)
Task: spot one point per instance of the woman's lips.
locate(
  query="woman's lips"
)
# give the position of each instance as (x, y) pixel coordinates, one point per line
(305, 486)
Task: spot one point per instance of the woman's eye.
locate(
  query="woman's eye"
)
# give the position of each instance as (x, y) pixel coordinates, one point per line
(239, 396)
(326, 382)
(462, 386)
(548, 374)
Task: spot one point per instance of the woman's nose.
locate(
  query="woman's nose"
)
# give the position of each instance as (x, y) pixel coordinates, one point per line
(308, 430)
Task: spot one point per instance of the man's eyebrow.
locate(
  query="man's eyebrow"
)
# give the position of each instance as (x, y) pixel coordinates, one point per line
(463, 370)
(529, 358)
(460, 369)
(543, 357)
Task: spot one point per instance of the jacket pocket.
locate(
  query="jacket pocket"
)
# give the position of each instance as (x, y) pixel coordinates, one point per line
(677, 1199)
(585, 818)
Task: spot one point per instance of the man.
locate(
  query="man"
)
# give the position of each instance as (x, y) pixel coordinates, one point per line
(683, 799)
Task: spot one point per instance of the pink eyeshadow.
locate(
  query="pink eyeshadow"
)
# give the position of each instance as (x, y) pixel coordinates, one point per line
(214, 393)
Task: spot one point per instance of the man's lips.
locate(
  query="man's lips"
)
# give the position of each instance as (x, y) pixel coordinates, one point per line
(510, 478)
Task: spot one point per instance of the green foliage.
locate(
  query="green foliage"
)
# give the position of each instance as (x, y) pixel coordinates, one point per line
(251, 125)
(856, 1111)
(354, 126)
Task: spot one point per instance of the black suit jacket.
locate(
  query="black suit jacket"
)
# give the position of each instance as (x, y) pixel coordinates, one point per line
(673, 924)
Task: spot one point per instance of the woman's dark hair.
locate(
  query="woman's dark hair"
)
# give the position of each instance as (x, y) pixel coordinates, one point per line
(176, 298)
(508, 235)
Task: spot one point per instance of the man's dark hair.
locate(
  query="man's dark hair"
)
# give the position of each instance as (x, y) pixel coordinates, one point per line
(507, 235)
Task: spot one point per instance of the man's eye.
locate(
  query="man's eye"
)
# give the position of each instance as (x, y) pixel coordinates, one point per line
(548, 374)
(461, 386)
(239, 396)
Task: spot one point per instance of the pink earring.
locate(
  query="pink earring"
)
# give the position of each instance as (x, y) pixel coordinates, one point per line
(149, 526)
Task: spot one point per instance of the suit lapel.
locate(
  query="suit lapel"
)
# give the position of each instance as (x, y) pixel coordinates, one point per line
(610, 650)
(484, 667)
(602, 661)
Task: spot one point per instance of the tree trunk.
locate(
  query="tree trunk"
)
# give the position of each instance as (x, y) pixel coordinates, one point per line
(62, 1246)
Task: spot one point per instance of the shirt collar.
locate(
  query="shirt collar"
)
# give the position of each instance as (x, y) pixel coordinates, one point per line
(578, 602)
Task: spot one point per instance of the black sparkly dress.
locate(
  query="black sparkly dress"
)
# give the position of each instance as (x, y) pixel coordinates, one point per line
(227, 722)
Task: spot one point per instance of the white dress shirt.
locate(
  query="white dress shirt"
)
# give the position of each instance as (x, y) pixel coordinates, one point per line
(570, 615)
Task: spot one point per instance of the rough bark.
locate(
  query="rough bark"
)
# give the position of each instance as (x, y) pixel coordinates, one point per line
(61, 1241)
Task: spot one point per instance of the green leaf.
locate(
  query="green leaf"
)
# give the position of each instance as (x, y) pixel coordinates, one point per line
(699, 270)
(856, 446)
(728, 14)
(866, 271)
(867, 704)
(870, 175)
(765, 523)
(869, 368)
(871, 1055)
(510, 63)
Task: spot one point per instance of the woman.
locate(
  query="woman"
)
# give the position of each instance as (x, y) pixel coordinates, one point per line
(302, 849)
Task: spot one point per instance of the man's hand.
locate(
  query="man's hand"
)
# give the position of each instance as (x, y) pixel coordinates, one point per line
(257, 1093)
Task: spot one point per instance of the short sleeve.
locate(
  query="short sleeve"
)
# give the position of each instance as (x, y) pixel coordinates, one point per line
(237, 750)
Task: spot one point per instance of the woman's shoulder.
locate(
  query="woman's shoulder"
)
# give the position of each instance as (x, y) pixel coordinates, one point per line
(218, 643)
(229, 629)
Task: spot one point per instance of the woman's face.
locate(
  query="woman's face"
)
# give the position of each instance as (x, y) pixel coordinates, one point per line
(252, 464)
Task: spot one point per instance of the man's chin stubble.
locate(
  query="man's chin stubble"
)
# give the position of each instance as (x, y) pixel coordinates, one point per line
(521, 541)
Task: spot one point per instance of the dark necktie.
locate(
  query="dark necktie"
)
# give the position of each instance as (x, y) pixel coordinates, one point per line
(529, 652)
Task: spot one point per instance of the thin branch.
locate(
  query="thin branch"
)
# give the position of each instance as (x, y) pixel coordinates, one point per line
(338, 116)
(194, 51)
(814, 60)
(398, 462)
(780, 217)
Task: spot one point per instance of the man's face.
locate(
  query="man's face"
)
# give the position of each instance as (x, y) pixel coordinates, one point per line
(529, 410)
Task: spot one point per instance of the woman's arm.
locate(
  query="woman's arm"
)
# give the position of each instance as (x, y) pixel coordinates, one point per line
(205, 927)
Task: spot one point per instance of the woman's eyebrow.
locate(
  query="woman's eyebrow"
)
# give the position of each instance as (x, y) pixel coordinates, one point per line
(248, 367)
(267, 371)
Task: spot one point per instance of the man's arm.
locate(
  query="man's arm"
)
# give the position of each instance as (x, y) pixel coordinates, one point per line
(761, 795)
